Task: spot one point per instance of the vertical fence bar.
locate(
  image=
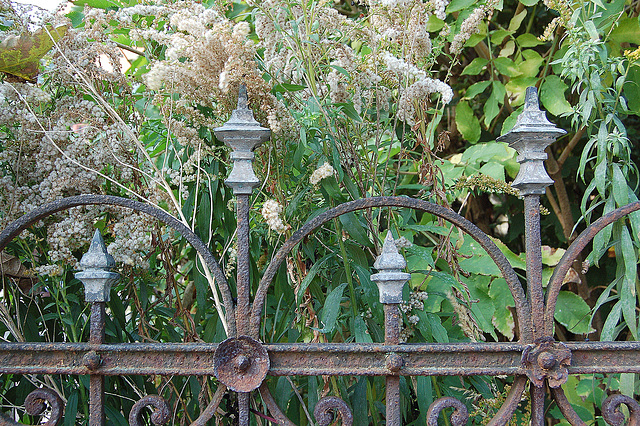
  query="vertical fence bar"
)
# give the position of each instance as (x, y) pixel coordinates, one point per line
(243, 134)
(96, 381)
(390, 281)
(97, 278)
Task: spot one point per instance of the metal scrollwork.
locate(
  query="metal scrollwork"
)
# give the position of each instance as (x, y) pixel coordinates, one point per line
(160, 413)
(327, 407)
(612, 414)
(459, 417)
(36, 403)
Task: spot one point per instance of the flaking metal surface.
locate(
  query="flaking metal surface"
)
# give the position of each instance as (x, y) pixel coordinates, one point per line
(243, 364)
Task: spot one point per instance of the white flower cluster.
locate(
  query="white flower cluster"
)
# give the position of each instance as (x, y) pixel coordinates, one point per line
(132, 240)
(416, 301)
(271, 211)
(421, 90)
(321, 172)
(469, 27)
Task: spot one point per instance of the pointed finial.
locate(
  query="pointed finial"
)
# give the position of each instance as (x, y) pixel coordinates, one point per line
(390, 279)
(531, 99)
(390, 258)
(96, 272)
(97, 256)
(243, 99)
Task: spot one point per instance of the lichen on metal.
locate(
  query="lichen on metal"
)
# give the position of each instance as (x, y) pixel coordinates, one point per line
(96, 275)
(390, 279)
(530, 136)
(243, 134)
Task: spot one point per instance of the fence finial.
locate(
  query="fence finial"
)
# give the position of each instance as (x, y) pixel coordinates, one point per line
(530, 136)
(96, 273)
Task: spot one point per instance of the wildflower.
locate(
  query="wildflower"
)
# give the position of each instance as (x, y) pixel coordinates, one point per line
(271, 210)
(321, 172)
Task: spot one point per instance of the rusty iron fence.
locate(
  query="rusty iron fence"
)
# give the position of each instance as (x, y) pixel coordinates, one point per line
(241, 363)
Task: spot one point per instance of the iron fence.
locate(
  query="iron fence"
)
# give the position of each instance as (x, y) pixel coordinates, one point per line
(241, 363)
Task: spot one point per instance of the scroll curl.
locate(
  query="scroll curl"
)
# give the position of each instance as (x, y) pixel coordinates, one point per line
(160, 413)
(328, 406)
(35, 405)
(612, 414)
(460, 415)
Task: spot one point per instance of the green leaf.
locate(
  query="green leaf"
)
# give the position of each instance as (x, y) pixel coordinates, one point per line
(361, 331)
(631, 89)
(491, 109)
(620, 187)
(457, 5)
(476, 88)
(331, 309)
(506, 66)
(627, 31)
(99, 4)
(498, 36)
(552, 96)
(573, 312)
(311, 275)
(467, 123)
(516, 21)
(475, 67)
(20, 56)
(529, 2)
(355, 229)
(434, 24)
(287, 87)
(609, 330)
(528, 40)
(349, 110)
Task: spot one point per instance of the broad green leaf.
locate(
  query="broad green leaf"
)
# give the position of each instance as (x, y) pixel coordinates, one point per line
(467, 123)
(349, 110)
(552, 96)
(491, 109)
(627, 31)
(20, 56)
(502, 319)
(510, 121)
(420, 258)
(516, 21)
(573, 312)
(476, 88)
(631, 89)
(434, 24)
(494, 170)
(331, 309)
(287, 87)
(529, 2)
(475, 67)
(508, 48)
(506, 66)
(498, 36)
(528, 40)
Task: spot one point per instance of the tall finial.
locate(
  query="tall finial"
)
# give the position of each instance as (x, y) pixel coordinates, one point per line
(96, 272)
(243, 134)
(530, 136)
(390, 279)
